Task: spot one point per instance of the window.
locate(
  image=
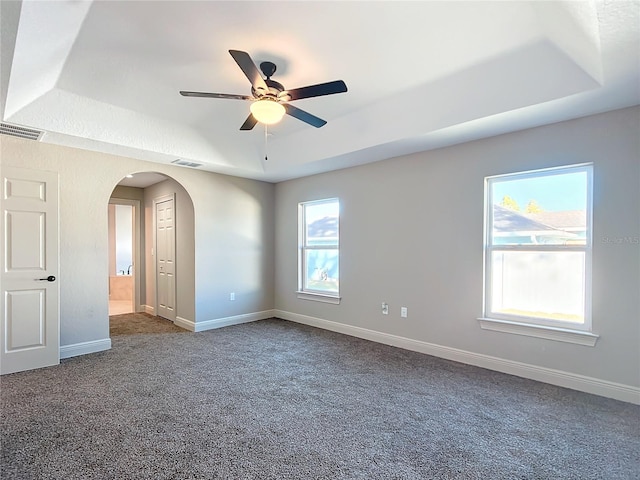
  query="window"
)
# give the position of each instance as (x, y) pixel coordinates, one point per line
(538, 249)
(318, 252)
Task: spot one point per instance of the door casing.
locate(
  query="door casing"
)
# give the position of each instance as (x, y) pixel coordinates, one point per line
(136, 248)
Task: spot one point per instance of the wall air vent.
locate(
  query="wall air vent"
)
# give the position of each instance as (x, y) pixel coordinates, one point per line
(184, 163)
(22, 132)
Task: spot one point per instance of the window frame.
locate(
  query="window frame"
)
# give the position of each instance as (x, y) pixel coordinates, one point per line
(303, 292)
(533, 326)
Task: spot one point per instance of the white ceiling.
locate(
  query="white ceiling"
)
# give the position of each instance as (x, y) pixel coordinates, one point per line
(105, 75)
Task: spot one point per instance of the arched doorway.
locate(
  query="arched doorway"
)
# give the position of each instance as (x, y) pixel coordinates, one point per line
(144, 193)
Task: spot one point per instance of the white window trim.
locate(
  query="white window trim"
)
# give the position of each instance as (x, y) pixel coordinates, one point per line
(559, 334)
(580, 334)
(313, 295)
(319, 297)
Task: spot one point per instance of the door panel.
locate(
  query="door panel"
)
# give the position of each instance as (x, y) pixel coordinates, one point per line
(28, 229)
(29, 334)
(25, 312)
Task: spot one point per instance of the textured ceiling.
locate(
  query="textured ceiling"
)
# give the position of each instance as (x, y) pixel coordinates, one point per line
(105, 75)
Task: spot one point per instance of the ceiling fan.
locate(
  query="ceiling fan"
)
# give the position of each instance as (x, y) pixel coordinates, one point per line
(270, 100)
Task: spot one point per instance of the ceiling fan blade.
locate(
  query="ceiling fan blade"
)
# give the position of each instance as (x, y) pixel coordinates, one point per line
(304, 116)
(329, 88)
(249, 123)
(216, 95)
(249, 69)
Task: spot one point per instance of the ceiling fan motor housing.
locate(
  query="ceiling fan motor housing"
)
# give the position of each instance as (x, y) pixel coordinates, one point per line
(275, 88)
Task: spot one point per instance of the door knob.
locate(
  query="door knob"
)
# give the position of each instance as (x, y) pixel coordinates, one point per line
(50, 278)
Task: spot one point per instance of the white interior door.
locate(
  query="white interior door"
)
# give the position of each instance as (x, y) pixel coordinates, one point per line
(165, 259)
(29, 337)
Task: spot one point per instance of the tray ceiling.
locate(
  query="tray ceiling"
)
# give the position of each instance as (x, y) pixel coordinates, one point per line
(105, 75)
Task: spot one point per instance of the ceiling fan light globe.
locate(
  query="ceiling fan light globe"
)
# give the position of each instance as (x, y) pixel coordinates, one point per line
(267, 111)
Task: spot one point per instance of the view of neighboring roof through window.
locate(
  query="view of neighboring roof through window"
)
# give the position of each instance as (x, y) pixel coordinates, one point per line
(542, 208)
(538, 247)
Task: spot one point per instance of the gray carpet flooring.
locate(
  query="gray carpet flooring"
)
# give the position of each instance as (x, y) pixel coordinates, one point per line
(137, 323)
(277, 400)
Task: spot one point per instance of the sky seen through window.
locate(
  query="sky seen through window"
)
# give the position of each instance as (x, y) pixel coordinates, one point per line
(556, 192)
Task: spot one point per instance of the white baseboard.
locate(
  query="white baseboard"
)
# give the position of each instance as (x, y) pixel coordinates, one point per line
(223, 322)
(149, 309)
(625, 393)
(68, 351)
(184, 323)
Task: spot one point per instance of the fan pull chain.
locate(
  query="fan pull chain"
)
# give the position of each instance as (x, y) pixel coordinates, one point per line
(265, 142)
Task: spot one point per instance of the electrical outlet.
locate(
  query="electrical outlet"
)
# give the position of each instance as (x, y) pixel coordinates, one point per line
(232, 296)
(403, 312)
(385, 308)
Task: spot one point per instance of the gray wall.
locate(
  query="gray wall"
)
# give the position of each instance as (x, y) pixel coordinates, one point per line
(412, 235)
(232, 232)
(234, 244)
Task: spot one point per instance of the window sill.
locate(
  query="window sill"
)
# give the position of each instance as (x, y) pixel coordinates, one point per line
(319, 297)
(530, 330)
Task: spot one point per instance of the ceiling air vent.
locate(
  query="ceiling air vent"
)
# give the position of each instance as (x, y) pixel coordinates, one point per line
(22, 132)
(184, 163)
